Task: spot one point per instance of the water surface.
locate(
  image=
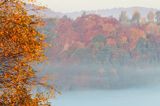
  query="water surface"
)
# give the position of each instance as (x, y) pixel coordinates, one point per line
(149, 96)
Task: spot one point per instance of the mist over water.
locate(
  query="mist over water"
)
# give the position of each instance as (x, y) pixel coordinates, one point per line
(73, 77)
(97, 85)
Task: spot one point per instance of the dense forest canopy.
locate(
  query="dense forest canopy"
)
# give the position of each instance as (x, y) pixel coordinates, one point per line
(136, 37)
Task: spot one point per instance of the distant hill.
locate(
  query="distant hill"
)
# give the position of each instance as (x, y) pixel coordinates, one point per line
(114, 12)
(47, 13)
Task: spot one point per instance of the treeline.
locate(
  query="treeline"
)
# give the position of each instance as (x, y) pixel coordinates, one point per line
(92, 38)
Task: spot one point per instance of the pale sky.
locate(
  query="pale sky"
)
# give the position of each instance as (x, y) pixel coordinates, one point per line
(78, 5)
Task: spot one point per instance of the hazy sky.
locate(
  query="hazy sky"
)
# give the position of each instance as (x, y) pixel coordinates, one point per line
(77, 5)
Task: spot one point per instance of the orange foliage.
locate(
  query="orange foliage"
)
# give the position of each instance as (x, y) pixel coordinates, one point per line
(78, 35)
(111, 42)
(152, 28)
(20, 46)
(135, 34)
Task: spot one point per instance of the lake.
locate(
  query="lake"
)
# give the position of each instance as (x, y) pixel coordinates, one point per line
(148, 96)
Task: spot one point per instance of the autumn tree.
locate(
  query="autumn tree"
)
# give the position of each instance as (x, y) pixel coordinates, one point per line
(151, 16)
(21, 46)
(123, 17)
(136, 18)
(84, 13)
(158, 17)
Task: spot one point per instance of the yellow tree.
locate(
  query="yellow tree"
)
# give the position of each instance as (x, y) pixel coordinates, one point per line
(21, 46)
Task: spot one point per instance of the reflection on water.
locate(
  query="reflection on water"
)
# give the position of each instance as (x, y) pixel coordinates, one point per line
(72, 77)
